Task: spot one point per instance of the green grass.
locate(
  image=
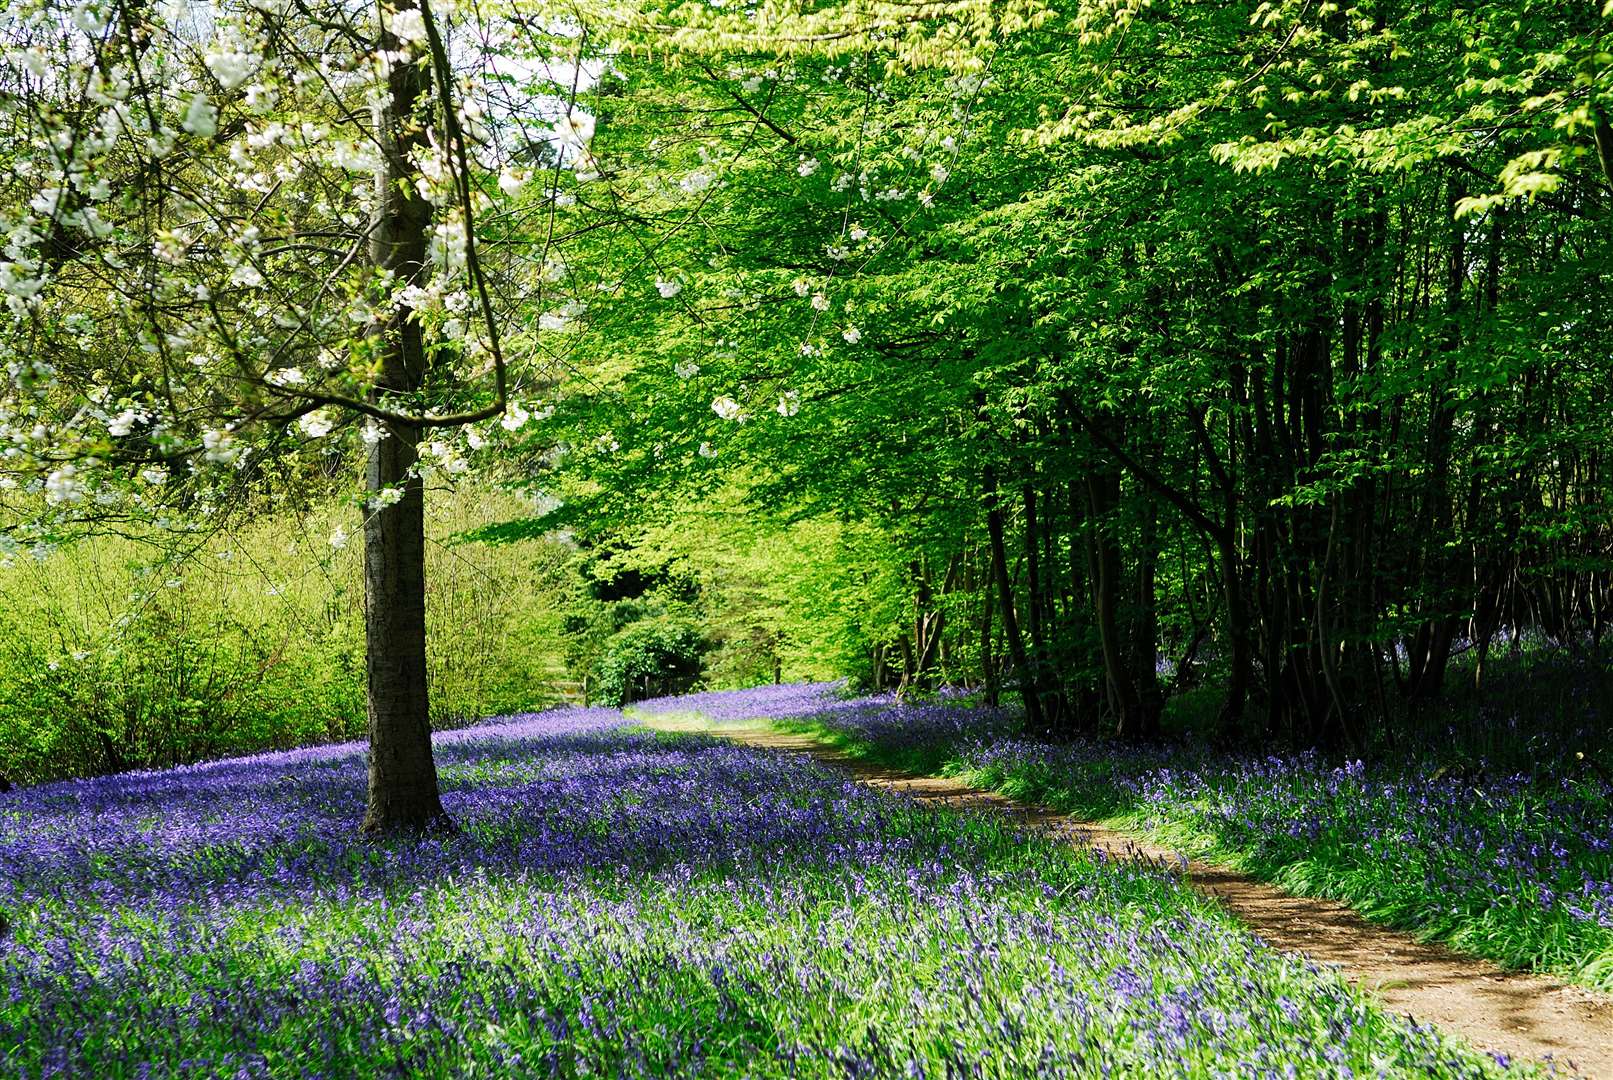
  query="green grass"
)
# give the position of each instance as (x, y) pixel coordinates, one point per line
(1505, 868)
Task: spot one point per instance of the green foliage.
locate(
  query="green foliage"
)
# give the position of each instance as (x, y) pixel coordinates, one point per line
(649, 658)
(1271, 336)
(116, 653)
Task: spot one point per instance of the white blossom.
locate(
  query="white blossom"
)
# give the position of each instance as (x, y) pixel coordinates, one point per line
(339, 538)
(121, 424)
(201, 118)
(62, 487)
(511, 181)
(575, 129)
(407, 25)
(807, 165)
(686, 369)
(246, 275)
(820, 302)
(317, 424)
(89, 20)
(47, 200)
(230, 66)
(789, 403)
(706, 451)
(696, 182)
(852, 335)
(727, 408)
(34, 60)
(171, 245)
(219, 446)
(387, 496)
(668, 288)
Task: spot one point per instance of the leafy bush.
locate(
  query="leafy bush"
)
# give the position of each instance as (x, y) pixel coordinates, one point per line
(650, 659)
(117, 654)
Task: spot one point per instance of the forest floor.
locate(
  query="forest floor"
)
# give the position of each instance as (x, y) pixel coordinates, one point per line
(1520, 1015)
(623, 902)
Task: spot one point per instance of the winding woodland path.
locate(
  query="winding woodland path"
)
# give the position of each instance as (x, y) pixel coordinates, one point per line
(1517, 1014)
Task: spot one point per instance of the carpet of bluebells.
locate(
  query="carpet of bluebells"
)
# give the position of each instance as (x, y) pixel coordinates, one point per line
(620, 902)
(1514, 866)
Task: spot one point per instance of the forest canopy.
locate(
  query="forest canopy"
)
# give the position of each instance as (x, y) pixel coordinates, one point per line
(1114, 355)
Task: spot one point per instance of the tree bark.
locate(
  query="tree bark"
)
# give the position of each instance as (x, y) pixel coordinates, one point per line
(1005, 591)
(403, 792)
(1103, 493)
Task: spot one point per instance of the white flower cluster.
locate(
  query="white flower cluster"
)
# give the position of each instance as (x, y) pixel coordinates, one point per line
(231, 61)
(317, 424)
(408, 26)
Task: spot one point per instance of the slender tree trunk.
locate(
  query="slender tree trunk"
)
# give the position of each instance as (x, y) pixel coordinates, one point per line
(1145, 626)
(988, 663)
(1036, 610)
(1005, 590)
(403, 793)
(1103, 492)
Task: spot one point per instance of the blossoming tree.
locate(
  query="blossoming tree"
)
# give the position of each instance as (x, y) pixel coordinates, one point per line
(239, 230)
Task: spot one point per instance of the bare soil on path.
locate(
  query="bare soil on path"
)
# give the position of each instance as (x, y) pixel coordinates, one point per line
(1521, 1015)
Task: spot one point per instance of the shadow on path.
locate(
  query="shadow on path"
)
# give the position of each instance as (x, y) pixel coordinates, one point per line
(1517, 1014)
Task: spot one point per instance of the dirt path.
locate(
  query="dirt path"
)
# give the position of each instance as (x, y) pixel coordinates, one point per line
(1520, 1015)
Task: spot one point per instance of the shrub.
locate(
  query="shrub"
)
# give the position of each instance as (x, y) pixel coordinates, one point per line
(651, 658)
(115, 654)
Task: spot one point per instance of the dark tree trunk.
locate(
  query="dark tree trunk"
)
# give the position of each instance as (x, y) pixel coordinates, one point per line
(403, 777)
(1103, 495)
(1041, 661)
(1145, 626)
(403, 793)
(988, 663)
(1005, 590)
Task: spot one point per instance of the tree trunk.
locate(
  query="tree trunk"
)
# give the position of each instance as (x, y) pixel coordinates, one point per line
(1036, 610)
(1103, 495)
(403, 793)
(403, 777)
(1005, 592)
(988, 663)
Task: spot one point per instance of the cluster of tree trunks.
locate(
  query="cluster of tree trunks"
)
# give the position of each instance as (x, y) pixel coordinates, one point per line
(1363, 485)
